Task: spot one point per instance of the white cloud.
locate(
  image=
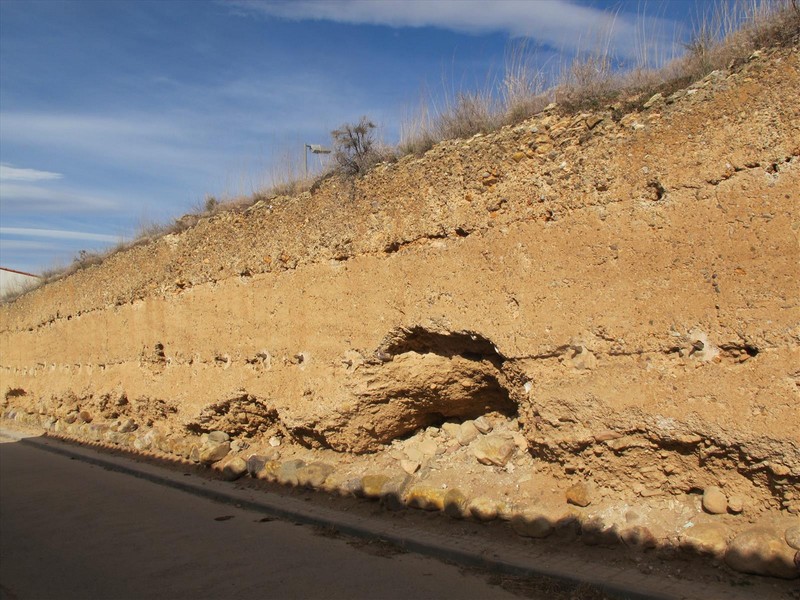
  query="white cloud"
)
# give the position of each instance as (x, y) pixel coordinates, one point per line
(60, 234)
(12, 173)
(558, 23)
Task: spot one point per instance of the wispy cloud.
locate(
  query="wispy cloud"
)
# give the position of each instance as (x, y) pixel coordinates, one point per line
(59, 234)
(558, 23)
(9, 245)
(12, 173)
(21, 197)
(111, 138)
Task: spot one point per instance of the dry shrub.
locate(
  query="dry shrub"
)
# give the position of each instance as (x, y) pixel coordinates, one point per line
(355, 148)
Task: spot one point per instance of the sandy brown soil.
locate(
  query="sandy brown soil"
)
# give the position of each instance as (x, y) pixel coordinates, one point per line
(616, 295)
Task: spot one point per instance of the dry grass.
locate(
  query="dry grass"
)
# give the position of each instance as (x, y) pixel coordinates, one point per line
(20, 290)
(525, 87)
(726, 34)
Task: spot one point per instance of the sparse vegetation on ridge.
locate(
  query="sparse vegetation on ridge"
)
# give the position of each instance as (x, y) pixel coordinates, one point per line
(724, 37)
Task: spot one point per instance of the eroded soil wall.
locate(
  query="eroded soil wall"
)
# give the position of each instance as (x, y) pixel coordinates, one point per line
(627, 287)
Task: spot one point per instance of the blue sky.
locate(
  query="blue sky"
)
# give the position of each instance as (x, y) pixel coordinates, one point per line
(118, 114)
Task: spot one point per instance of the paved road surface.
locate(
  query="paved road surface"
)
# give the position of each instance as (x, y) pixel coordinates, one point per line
(69, 529)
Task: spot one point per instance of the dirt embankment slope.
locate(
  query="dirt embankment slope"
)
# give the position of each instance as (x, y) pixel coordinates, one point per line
(625, 287)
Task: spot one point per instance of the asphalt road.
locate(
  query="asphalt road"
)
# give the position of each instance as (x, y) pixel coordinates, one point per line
(70, 529)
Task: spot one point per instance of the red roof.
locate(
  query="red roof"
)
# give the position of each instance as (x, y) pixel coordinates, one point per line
(18, 272)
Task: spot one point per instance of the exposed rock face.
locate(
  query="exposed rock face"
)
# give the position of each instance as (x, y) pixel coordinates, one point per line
(627, 288)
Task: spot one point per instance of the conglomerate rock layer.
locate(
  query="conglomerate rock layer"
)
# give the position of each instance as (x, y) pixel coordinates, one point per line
(625, 286)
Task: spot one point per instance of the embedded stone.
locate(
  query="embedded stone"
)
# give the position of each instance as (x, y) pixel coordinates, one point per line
(451, 429)
(214, 452)
(393, 492)
(705, 538)
(351, 487)
(467, 433)
(792, 536)
(234, 469)
(314, 474)
(494, 450)
(127, 425)
(455, 503)
(147, 440)
(595, 532)
(482, 424)
(593, 121)
(371, 485)
(426, 497)
(483, 509)
(736, 504)
(427, 447)
(715, 501)
(287, 473)
(761, 551)
(270, 470)
(410, 466)
(654, 99)
(531, 524)
(255, 463)
(218, 437)
(579, 494)
(638, 536)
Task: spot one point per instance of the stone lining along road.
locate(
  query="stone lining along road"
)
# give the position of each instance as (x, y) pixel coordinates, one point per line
(72, 529)
(78, 523)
